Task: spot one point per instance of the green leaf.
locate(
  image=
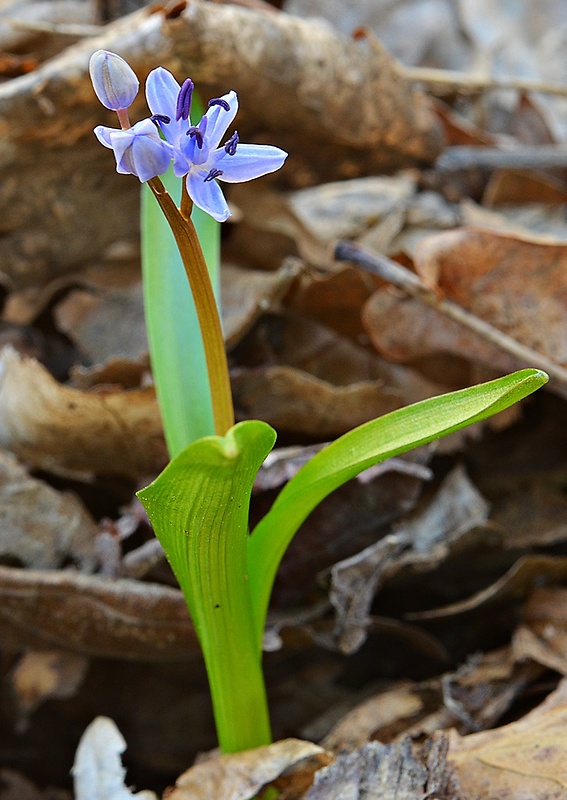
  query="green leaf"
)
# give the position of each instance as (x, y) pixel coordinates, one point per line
(176, 346)
(199, 508)
(362, 447)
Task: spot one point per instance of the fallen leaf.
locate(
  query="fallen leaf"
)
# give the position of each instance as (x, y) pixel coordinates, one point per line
(292, 400)
(104, 325)
(517, 285)
(247, 294)
(515, 583)
(68, 431)
(41, 527)
(114, 618)
(542, 636)
(524, 760)
(43, 675)
(422, 542)
(398, 704)
(239, 776)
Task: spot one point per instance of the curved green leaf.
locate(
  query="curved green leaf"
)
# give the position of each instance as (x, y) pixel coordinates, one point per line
(199, 507)
(362, 447)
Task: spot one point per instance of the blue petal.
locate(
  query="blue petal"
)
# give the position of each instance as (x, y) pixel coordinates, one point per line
(150, 158)
(250, 161)
(103, 134)
(162, 91)
(218, 119)
(207, 195)
(140, 151)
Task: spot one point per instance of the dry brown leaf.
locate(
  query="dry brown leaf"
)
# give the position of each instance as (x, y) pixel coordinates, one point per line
(395, 706)
(523, 186)
(239, 776)
(515, 583)
(525, 760)
(104, 325)
(67, 431)
(247, 294)
(42, 675)
(94, 616)
(542, 636)
(41, 527)
(406, 330)
(292, 400)
(422, 542)
(335, 300)
(517, 285)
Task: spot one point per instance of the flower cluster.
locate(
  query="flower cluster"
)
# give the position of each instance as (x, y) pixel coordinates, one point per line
(148, 148)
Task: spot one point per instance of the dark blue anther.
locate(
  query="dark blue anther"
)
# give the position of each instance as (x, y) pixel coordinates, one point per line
(218, 101)
(214, 173)
(196, 132)
(160, 119)
(230, 146)
(183, 108)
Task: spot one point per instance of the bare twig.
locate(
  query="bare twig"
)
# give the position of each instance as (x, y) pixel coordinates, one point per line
(411, 284)
(458, 158)
(57, 28)
(458, 81)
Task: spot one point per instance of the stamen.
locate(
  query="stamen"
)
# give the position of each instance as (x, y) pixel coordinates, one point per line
(196, 132)
(160, 119)
(183, 108)
(214, 173)
(230, 146)
(218, 101)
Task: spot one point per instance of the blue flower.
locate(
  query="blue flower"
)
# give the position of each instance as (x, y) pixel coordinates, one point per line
(198, 153)
(196, 150)
(138, 150)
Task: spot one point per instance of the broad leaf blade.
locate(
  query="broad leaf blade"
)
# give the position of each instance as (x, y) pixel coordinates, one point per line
(199, 507)
(362, 447)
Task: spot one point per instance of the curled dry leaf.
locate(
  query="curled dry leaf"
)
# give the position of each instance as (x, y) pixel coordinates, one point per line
(94, 616)
(41, 527)
(240, 776)
(423, 542)
(518, 285)
(515, 583)
(67, 431)
(542, 636)
(526, 759)
(397, 705)
(293, 400)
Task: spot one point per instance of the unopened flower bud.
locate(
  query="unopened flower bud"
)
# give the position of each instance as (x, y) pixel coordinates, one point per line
(114, 81)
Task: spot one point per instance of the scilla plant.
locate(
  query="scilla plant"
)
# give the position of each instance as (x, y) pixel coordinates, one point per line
(199, 504)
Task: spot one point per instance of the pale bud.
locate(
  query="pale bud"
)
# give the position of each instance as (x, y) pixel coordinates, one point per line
(114, 81)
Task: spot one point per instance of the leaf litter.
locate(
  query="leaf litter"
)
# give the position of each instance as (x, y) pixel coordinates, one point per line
(442, 576)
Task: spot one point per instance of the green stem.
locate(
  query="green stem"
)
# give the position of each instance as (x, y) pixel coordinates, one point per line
(207, 311)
